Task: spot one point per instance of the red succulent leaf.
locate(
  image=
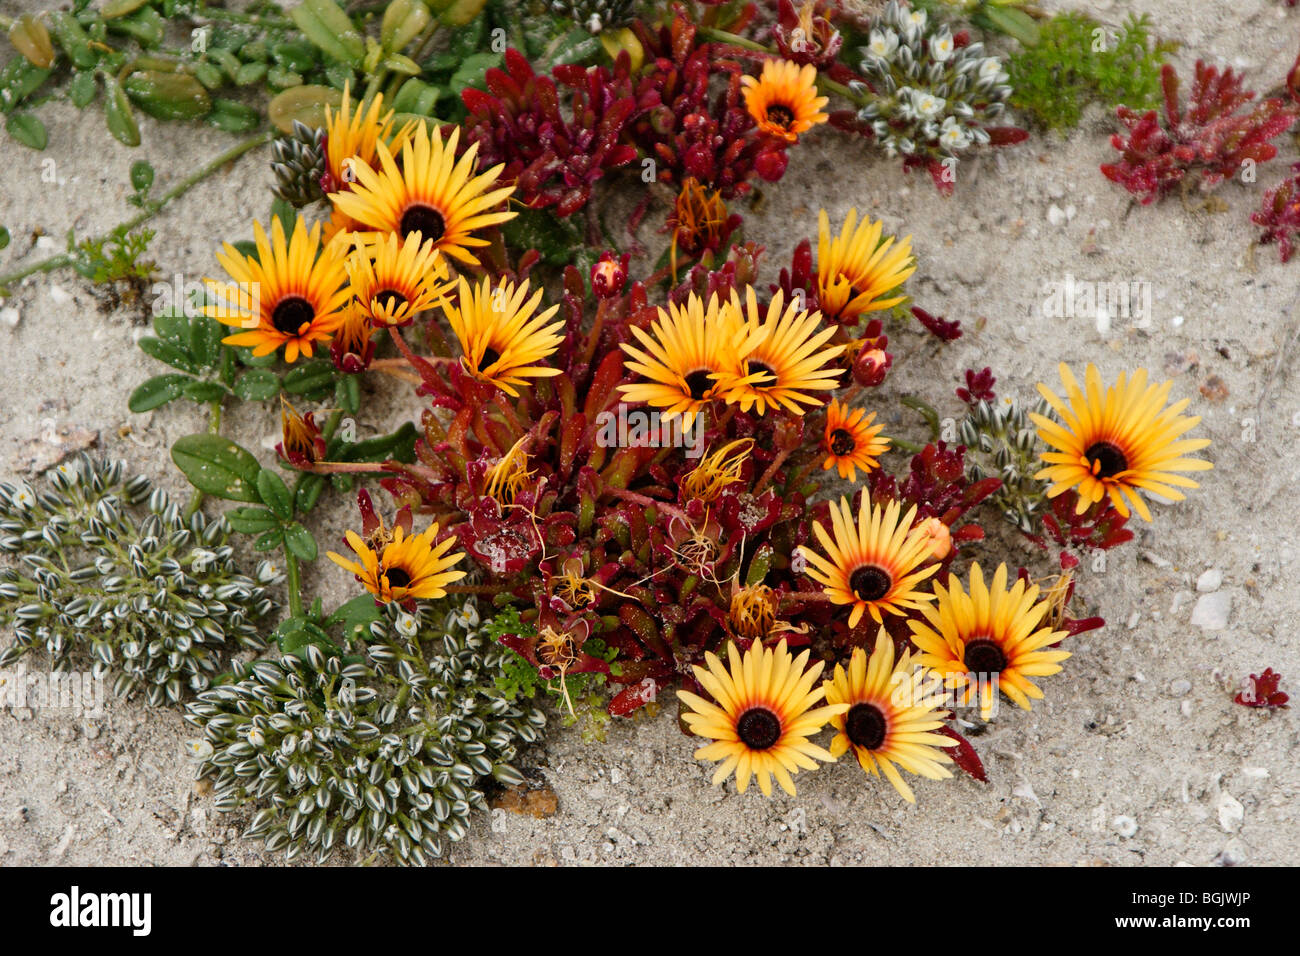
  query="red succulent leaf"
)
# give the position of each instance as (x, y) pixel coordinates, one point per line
(1261, 690)
(964, 755)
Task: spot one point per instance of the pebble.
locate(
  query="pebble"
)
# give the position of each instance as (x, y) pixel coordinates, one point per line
(47, 244)
(615, 776)
(10, 316)
(1212, 611)
(60, 295)
(1185, 708)
(1133, 619)
(1209, 581)
(1232, 855)
(1157, 560)
(1125, 826)
(1230, 811)
(1180, 688)
(1177, 321)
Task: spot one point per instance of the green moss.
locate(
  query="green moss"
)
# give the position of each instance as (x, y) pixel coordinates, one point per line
(1080, 61)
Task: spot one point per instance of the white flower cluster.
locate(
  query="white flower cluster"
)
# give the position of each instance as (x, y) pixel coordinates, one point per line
(928, 97)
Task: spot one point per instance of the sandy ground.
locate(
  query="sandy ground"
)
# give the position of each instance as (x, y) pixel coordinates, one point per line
(1137, 756)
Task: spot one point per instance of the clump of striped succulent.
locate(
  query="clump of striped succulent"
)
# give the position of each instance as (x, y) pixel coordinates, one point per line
(381, 747)
(298, 162)
(1003, 443)
(110, 566)
(931, 96)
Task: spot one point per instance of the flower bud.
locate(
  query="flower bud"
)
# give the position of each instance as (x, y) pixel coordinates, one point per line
(609, 275)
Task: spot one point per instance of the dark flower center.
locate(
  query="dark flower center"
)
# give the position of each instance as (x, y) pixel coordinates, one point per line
(1108, 460)
(781, 116)
(699, 383)
(870, 583)
(842, 442)
(428, 222)
(490, 357)
(758, 728)
(398, 577)
(866, 726)
(390, 300)
(983, 656)
(291, 314)
(764, 368)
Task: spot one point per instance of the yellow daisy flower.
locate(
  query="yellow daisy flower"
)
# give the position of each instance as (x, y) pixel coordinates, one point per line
(395, 279)
(785, 360)
(430, 192)
(893, 709)
(501, 337)
(763, 717)
(399, 568)
(290, 294)
(874, 564)
(688, 348)
(857, 269)
(1117, 442)
(988, 640)
(783, 100)
(851, 441)
(353, 135)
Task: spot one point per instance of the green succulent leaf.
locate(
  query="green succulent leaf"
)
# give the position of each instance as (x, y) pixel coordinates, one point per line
(300, 542)
(257, 385)
(310, 378)
(27, 129)
(251, 520)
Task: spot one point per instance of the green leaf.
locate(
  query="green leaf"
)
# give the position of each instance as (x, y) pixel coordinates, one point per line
(217, 466)
(275, 494)
(141, 175)
(4, 237)
(400, 445)
(300, 542)
(173, 326)
(285, 212)
(251, 520)
(269, 541)
(157, 391)
(233, 117)
(246, 357)
(81, 89)
(117, 113)
(347, 393)
(27, 129)
(257, 385)
(325, 24)
(309, 491)
(169, 354)
(205, 337)
(358, 612)
(295, 634)
(471, 71)
(759, 565)
(1009, 20)
(314, 376)
(554, 238)
(206, 391)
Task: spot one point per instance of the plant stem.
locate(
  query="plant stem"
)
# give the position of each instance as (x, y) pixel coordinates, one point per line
(731, 39)
(65, 259)
(294, 585)
(839, 89)
(214, 428)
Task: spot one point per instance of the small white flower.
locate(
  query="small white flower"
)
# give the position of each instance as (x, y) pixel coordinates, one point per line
(990, 71)
(915, 21)
(256, 737)
(941, 45)
(201, 559)
(883, 44)
(469, 615)
(198, 749)
(951, 136)
(926, 104)
(23, 498)
(406, 625)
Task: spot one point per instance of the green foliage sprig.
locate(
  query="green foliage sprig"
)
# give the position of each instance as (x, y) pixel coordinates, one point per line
(1078, 61)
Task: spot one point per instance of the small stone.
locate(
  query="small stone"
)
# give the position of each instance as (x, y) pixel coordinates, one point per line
(1231, 855)
(1125, 826)
(1230, 811)
(47, 244)
(615, 775)
(1177, 321)
(1212, 611)
(1055, 214)
(1152, 558)
(1185, 708)
(1133, 619)
(10, 316)
(1209, 581)
(60, 295)
(1180, 688)
(1214, 388)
